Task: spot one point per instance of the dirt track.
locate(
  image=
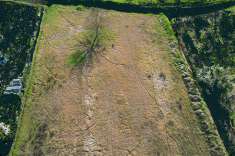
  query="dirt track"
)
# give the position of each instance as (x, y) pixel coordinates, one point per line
(129, 101)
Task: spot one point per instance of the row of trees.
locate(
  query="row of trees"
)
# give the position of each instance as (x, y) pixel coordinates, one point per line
(9, 110)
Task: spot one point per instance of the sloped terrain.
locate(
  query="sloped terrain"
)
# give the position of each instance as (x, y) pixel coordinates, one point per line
(126, 98)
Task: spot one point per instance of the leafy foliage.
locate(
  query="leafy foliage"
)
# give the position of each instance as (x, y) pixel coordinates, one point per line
(209, 45)
(17, 26)
(215, 84)
(9, 110)
(166, 25)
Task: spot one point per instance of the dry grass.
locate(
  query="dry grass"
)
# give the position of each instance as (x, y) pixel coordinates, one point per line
(128, 100)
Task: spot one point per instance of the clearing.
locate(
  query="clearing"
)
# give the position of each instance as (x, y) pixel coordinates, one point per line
(127, 100)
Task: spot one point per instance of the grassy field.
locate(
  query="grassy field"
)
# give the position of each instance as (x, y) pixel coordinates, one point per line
(126, 98)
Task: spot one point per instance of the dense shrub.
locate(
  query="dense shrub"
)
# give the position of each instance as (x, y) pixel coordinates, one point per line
(9, 110)
(17, 26)
(209, 45)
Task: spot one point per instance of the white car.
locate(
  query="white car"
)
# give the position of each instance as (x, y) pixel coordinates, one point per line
(15, 87)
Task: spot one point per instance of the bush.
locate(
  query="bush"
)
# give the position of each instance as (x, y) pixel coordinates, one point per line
(215, 83)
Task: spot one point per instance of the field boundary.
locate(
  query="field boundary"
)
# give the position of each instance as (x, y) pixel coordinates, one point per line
(170, 10)
(198, 105)
(30, 78)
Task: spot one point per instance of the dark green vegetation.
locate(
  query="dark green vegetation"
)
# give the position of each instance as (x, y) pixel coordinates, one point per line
(171, 8)
(208, 42)
(198, 105)
(9, 111)
(17, 28)
(18, 34)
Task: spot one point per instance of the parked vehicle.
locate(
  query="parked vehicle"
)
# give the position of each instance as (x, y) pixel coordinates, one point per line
(15, 87)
